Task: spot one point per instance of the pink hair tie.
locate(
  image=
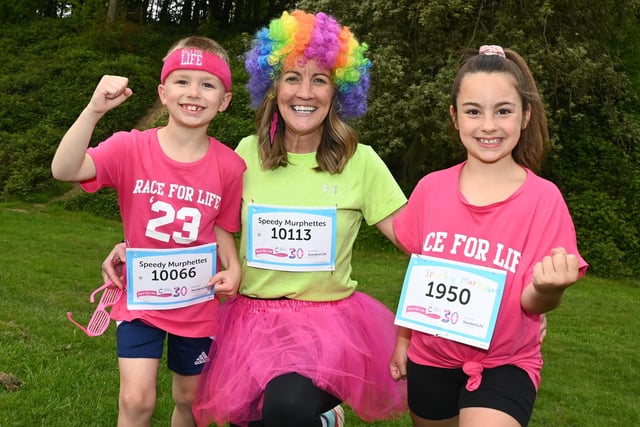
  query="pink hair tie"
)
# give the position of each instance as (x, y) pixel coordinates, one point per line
(197, 59)
(491, 49)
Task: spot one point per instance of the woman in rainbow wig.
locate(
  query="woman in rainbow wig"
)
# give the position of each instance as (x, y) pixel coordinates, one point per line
(299, 339)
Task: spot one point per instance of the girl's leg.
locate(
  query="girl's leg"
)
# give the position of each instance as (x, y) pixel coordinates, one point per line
(292, 400)
(505, 398)
(480, 417)
(137, 398)
(433, 395)
(421, 422)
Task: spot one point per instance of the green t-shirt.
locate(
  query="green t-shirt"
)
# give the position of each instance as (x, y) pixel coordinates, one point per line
(365, 189)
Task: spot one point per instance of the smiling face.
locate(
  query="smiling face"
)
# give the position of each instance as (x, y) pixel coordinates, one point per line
(304, 95)
(193, 97)
(489, 116)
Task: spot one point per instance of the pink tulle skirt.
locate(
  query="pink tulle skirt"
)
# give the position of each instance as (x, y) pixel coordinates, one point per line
(343, 346)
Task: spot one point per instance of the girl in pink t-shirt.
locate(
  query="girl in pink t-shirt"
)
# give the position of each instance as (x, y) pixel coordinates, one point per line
(490, 213)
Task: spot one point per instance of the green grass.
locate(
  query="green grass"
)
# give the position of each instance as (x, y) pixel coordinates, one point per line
(50, 262)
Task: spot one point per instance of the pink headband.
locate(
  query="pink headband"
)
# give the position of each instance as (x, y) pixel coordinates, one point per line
(197, 59)
(491, 49)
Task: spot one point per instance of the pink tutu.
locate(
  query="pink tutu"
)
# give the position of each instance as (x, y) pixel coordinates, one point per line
(343, 346)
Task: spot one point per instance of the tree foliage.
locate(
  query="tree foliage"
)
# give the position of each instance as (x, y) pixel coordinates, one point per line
(246, 14)
(584, 55)
(27, 10)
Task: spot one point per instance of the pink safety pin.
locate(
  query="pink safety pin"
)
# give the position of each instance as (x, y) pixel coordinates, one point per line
(99, 321)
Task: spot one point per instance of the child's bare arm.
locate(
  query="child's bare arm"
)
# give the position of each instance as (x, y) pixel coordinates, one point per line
(71, 162)
(227, 280)
(551, 277)
(398, 363)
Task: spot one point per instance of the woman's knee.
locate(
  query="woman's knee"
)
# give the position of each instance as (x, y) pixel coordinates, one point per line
(293, 400)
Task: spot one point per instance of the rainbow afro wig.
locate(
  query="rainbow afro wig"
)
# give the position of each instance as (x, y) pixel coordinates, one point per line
(298, 37)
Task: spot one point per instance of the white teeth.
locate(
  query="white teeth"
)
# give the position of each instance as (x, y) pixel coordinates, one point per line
(303, 109)
(489, 141)
(192, 108)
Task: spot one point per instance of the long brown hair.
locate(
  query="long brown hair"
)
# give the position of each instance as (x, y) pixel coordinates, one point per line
(534, 139)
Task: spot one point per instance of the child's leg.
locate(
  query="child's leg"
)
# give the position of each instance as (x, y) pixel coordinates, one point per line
(186, 358)
(481, 417)
(433, 395)
(139, 351)
(438, 397)
(137, 398)
(184, 389)
(505, 398)
(421, 422)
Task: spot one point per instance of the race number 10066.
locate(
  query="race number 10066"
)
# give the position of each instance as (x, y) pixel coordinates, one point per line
(173, 274)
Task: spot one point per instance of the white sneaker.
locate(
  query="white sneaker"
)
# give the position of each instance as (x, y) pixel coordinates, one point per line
(333, 417)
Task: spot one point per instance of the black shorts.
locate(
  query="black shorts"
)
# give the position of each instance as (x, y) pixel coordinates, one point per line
(440, 393)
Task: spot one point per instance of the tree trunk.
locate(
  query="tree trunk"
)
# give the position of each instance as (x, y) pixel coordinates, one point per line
(164, 16)
(112, 12)
(187, 13)
(226, 14)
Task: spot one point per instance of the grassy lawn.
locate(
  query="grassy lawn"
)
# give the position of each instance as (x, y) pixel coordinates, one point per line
(50, 262)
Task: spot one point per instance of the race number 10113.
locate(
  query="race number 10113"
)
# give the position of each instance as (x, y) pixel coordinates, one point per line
(279, 233)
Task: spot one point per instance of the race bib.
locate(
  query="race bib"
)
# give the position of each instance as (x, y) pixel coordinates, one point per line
(291, 239)
(163, 279)
(450, 299)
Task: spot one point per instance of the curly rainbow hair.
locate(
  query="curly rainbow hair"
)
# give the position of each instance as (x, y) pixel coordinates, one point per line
(302, 36)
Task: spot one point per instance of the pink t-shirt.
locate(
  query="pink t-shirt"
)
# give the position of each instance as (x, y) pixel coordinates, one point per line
(512, 235)
(153, 190)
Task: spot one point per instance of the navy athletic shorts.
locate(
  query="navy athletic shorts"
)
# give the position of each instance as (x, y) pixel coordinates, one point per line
(185, 356)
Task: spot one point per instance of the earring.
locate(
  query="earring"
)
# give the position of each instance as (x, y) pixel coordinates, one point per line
(274, 127)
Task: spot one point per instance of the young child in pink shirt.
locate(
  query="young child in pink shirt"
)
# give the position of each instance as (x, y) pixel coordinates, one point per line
(492, 214)
(179, 192)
